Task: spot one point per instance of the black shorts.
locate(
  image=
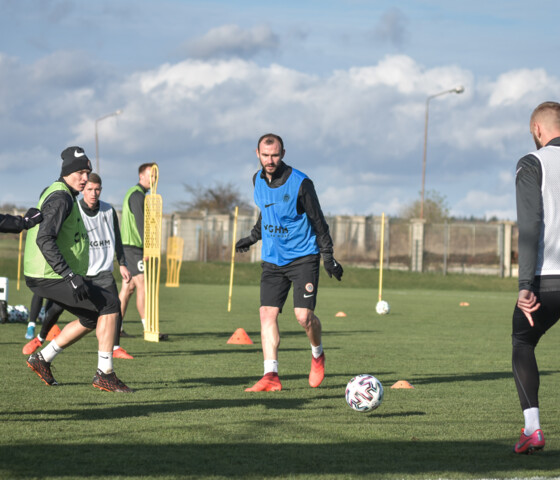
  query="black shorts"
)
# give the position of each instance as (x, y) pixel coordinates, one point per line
(302, 273)
(102, 300)
(544, 318)
(134, 257)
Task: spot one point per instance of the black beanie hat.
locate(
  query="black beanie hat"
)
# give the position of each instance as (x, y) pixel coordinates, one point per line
(74, 159)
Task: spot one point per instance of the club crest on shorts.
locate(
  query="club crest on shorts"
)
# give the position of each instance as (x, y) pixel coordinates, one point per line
(309, 287)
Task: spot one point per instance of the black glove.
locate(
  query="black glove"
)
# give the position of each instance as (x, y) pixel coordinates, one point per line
(32, 217)
(79, 287)
(333, 267)
(243, 244)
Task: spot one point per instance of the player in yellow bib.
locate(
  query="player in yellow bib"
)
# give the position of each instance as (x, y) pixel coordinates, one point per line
(132, 234)
(55, 266)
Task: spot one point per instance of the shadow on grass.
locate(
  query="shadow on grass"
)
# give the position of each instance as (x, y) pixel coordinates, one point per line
(375, 457)
(474, 377)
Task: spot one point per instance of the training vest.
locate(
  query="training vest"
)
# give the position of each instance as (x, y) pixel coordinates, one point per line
(101, 232)
(72, 241)
(548, 259)
(129, 230)
(286, 235)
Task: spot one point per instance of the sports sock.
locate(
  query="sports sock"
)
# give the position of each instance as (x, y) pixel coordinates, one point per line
(144, 323)
(51, 351)
(41, 339)
(532, 422)
(31, 324)
(317, 351)
(270, 366)
(105, 361)
(116, 347)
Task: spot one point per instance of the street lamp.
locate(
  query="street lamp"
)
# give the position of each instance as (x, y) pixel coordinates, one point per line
(114, 114)
(459, 89)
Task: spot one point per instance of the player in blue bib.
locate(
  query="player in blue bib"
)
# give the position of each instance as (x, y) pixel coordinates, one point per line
(294, 236)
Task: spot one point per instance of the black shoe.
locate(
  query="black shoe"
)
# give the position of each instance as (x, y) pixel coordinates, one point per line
(109, 382)
(37, 363)
(126, 335)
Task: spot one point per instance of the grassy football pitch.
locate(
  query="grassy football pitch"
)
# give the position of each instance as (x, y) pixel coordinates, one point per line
(190, 416)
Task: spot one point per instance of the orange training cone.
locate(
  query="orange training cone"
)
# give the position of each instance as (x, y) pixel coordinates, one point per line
(402, 384)
(240, 337)
(53, 332)
(340, 314)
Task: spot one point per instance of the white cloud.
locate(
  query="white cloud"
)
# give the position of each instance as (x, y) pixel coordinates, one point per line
(358, 132)
(521, 86)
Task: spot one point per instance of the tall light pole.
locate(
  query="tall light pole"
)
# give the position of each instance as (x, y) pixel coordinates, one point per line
(114, 114)
(459, 89)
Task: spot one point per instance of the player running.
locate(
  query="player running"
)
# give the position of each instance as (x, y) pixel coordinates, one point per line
(102, 225)
(294, 235)
(538, 305)
(55, 264)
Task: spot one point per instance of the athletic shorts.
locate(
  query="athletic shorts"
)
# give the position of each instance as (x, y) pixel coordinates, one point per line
(276, 281)
(102, 300)
(544, 318)
(134, 257)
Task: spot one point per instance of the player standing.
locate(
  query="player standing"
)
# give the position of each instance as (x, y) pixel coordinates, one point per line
(132, 233)
(294, 235)
(538, 305)
(55, 264)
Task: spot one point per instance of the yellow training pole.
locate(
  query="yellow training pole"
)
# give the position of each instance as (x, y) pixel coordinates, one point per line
(381, 254)
(152, 256)
(232, 259)
(19, 260)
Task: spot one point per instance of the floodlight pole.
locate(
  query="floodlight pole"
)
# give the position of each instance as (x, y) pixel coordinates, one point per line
(459, 89)
(114, 114)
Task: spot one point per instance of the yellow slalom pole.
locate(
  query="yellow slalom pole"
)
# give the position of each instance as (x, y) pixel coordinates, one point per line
(19, 260)
(232, 259)
(152, 257)
(381, 254)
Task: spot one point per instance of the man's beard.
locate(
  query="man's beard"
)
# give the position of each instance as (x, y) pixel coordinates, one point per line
(537, 142)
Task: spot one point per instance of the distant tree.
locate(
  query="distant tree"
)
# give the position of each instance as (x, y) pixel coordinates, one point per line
(436, 209)
(218, 198)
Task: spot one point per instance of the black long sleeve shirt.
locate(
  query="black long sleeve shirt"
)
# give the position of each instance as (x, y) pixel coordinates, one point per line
(11, 223)
(528, 190)
(307, 202)
(55, 209)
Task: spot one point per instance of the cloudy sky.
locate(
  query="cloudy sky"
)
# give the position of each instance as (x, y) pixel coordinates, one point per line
(344, 82)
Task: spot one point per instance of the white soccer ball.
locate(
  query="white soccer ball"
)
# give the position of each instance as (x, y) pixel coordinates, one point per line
(364, 393)
(382, 307)
(22, 313)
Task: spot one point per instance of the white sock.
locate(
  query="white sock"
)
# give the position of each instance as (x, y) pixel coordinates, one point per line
(50, 351)
(40, 339)
(270, 366)
(105, 361)
(532, 422)
(317, 351)
(144, 323)
(31, 324)
(116, 347)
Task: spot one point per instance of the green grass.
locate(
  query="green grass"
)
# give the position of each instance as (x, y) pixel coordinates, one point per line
(190, 416)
